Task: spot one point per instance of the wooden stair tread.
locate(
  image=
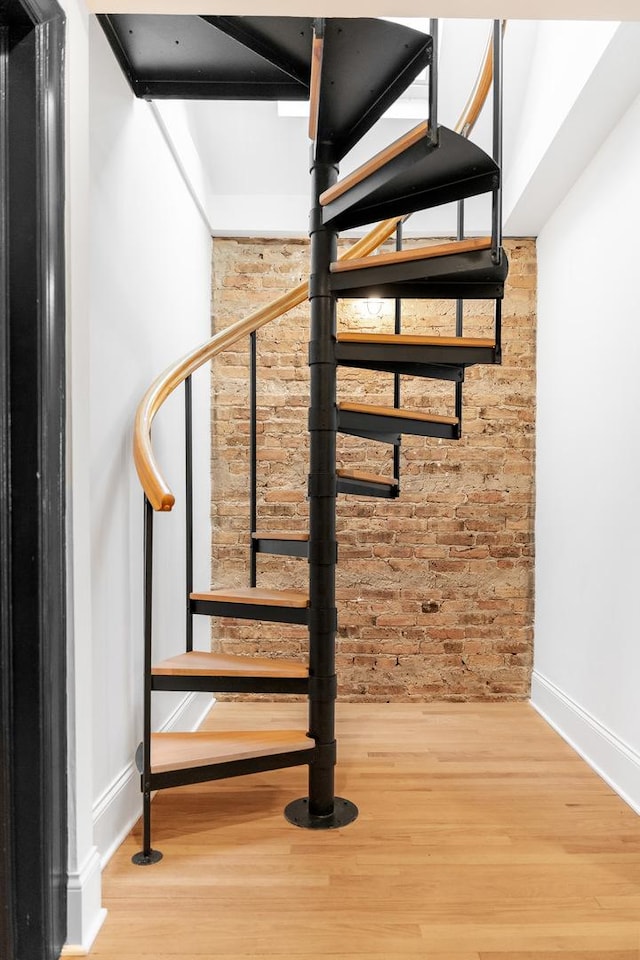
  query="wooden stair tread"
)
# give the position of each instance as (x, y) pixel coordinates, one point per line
(199, 663)
(181, 751)
(317, 51)
(408, 256)
(366, 477)
(279, 535)
(256, 595)
(415, 176)
(396, 412)
(411, 340)
(381, 158)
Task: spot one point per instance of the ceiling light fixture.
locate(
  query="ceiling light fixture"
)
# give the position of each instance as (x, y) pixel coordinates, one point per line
(374, 306)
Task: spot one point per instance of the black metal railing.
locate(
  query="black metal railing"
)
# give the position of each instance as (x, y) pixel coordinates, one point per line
(496, 206)
(433, 84)
(253, 458)
(496, 228)
(143, 756)
(459, 320)
(188, 473)
(397, 329)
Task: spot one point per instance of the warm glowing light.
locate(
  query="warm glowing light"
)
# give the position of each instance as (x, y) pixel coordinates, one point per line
(371, 310)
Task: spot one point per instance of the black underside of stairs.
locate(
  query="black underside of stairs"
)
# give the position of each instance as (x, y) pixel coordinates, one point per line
(250, 611)
(426, 290)
(375, 433)
(213, 58)
(435, 361)
(226, 684)
(233, 768)
(281, 547)
(422, 176)
(431, 371)
(367, 63)
(388, 429)
(471, 275)
(367, 488)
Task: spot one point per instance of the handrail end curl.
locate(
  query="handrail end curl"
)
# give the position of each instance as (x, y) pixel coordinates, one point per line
(155, 488)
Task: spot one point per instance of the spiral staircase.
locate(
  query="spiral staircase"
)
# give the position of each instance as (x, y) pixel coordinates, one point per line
(351, 71)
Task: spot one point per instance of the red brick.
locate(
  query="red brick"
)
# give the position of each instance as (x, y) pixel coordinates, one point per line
(460, 537)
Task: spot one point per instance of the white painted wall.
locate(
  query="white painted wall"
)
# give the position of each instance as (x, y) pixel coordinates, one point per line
(150, 303)
(138, 263)
(563, 60)
(84, 904)
(587, 654)
(583, 77)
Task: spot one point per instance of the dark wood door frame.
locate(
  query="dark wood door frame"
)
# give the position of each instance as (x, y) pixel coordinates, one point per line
(33, 802)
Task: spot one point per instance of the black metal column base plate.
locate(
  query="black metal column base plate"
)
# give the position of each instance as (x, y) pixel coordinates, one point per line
(344, 812)
(143, 859)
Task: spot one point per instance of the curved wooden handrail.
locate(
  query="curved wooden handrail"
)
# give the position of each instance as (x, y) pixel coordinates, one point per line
(153, 483)
(480, 90)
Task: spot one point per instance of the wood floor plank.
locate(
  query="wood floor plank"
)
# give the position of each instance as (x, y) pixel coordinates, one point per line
(481, 836)
(572, 955)
(216, 955)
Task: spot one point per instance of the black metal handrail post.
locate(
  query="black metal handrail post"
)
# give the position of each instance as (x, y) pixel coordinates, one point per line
(498, 330)
(433, 83)
(253, 457)
(147, 855)
(188, 475)
(397, 329)
(459, 320)
(322, 809)
(496, 218)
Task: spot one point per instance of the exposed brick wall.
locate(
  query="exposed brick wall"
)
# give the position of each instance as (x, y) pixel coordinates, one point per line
(435, 589)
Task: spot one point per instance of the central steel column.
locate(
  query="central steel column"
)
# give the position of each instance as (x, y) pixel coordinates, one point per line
(322, 809)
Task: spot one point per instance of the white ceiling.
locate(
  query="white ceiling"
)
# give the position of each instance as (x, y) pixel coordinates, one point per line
(250, 151)
(566, 84)
(466, 9)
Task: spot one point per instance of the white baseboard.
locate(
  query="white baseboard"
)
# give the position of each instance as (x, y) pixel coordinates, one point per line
(119, 807)
(114, 814)
(85, 914)
(612, 759)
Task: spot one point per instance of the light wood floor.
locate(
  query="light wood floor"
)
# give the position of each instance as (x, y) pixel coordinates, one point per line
(481, 836)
